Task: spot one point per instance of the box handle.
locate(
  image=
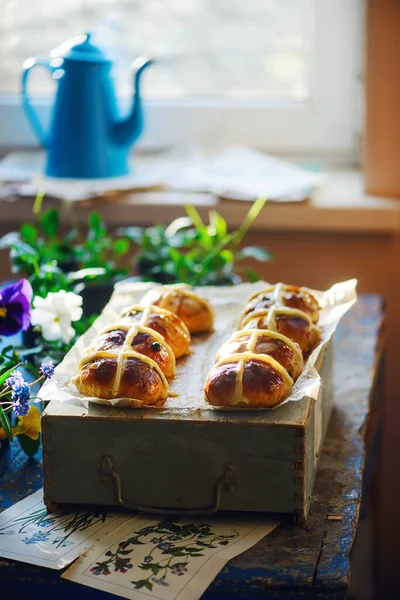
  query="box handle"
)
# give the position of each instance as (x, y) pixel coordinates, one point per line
(227, 482)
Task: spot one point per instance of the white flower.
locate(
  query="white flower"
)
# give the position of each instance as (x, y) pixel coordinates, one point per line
(55, 314)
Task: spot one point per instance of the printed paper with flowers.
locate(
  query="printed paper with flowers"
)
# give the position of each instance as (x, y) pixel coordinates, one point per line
(29, 534)
(169, 559)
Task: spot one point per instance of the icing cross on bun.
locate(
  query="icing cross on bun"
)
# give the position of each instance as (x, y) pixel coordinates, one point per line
(195, 311)
(247, 380)
(269, 343)
(122, 373)
(283, 295)
(164, 322)
(290, 322)
(142, 340)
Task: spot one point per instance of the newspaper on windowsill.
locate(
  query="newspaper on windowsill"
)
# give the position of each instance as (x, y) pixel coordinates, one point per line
(235, 173)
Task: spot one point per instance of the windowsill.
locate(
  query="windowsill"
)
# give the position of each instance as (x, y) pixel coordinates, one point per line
(340, 205)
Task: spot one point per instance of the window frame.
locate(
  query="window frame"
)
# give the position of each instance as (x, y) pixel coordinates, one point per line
(326, 124)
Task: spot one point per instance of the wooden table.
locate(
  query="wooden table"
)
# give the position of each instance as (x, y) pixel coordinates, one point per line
(293, 562)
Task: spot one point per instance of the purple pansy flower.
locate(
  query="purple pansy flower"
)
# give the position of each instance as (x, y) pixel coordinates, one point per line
(15, 307)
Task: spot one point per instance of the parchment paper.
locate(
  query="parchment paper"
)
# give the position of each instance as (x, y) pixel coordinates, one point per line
(192, 371)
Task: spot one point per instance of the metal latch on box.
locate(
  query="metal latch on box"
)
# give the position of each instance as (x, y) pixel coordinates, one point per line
(227, 483)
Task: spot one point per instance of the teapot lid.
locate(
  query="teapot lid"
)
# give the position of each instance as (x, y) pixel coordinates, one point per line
(80, 48)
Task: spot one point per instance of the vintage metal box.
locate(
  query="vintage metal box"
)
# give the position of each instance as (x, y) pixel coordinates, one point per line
(195, 461)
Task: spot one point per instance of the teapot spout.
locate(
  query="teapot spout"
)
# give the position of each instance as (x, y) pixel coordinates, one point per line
(128, 130)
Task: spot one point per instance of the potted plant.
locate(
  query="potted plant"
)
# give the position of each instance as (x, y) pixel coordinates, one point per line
(191, 251)
(85, 264)
(99, 253)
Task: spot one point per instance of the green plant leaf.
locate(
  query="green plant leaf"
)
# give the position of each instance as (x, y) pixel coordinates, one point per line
(252, 275)
(7, 349)
(94, 220)
(176, 256)
(29, 233)
(5, 423)
(7, 373)
(218, 223)
(260, 254)
(121, 246)
(95, 223)
(205, 266)
(37, 205)
(253, 213)
(227, 255)
(28, 445)
(195, 217)
(50, 222)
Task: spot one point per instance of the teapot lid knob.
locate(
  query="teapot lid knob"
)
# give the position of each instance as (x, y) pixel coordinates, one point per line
(81, 48)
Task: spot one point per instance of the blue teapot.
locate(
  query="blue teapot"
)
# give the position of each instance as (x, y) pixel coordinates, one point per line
(87, 137)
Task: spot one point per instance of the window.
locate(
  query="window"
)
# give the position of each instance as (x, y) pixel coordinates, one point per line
(279, 75)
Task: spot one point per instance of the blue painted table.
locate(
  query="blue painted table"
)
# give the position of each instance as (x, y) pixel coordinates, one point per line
(293, 562)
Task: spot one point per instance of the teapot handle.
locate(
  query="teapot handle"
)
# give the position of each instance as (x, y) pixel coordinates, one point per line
(26, 102)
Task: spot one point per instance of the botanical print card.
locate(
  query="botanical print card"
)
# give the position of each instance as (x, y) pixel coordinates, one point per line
(168, 559)
(29, 534)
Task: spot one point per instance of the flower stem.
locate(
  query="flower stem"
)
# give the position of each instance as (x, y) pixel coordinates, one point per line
(5, 391)
(36, 380)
